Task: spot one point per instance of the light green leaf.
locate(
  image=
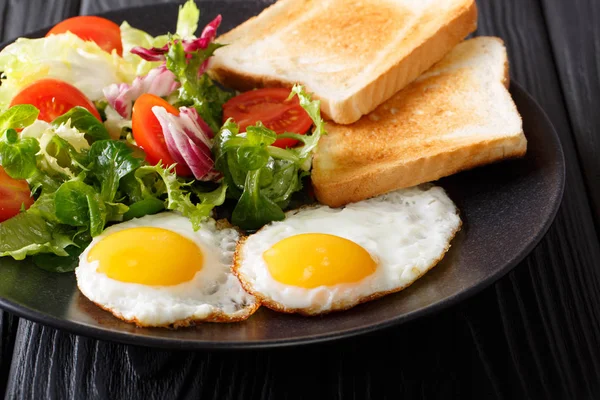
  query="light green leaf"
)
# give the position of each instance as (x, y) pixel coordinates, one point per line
(66, 57)
(178, 196)
(82, 120)
(197, 91)
(313, 108)
(187, 21)
(132, 37)
(18, 117)
(215, 197)
(28, 233)
(18, 156)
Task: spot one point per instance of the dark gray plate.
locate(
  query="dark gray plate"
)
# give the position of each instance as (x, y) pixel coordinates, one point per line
(506, 209)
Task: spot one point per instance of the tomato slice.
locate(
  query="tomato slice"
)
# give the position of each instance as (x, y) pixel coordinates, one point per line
(13, 195)
(269, 106)
(53, 98)
(104, 32)
(148, 133)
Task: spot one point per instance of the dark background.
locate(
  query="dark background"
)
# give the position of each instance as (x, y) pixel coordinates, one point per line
(534, 334)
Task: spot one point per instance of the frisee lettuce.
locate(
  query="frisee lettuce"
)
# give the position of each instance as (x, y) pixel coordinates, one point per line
(197, 90)
(82, 120)
(178, 194)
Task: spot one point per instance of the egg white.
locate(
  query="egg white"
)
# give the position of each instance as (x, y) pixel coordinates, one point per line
(406, 232)
(213, 294)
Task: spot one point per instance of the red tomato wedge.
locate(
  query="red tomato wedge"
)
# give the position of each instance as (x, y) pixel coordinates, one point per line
(148, 133)
(53, 98)
(13, 195)
(270, 107)
(105, 33)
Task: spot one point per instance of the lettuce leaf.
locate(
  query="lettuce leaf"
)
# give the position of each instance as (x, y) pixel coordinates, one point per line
(149, 206)
(178, 194)
(254, 209)
(62, 149)
(159, 81)
(66, 57)
(18, 155)
(37, 233)
(29, 233)
(197, 89)
(262, 177)
(41, 184)
(43, 131)
(132, 37)
(79, 205)
(187, 20)
(60, 264)
(83, 120)
(18, 117)
(111, 161)
(187, 24)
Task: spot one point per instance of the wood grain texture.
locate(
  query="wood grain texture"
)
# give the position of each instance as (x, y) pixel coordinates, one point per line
(535, 334)
(575, 36)
(549, 309)
(408, 363)
(8, 325)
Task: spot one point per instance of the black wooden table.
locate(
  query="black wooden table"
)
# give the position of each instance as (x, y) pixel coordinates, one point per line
(534, 334)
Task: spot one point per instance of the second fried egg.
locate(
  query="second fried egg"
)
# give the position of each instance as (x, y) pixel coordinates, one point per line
(321, 259)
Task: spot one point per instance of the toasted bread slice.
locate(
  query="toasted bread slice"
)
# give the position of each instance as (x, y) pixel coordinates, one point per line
(456, 116)
(351, 54)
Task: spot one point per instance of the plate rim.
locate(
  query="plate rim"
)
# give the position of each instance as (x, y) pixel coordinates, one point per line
(117, 336)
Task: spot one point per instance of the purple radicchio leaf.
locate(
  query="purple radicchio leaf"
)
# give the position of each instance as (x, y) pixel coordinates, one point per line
(159, 81)
(151, 54)
(193, 114)
(208, 35)
(189, 45)
(187, 143)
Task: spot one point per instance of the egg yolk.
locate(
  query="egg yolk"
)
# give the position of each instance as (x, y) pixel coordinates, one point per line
(310, 260)
(148, 256)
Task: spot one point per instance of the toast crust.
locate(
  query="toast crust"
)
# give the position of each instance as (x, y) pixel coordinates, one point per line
(437, 126)
(427, 169)
(384, 84)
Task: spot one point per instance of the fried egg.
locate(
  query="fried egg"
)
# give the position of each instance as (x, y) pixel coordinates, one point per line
(158, 271)
(321, 259)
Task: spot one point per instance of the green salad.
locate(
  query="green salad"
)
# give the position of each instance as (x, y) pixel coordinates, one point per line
(94, 133)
